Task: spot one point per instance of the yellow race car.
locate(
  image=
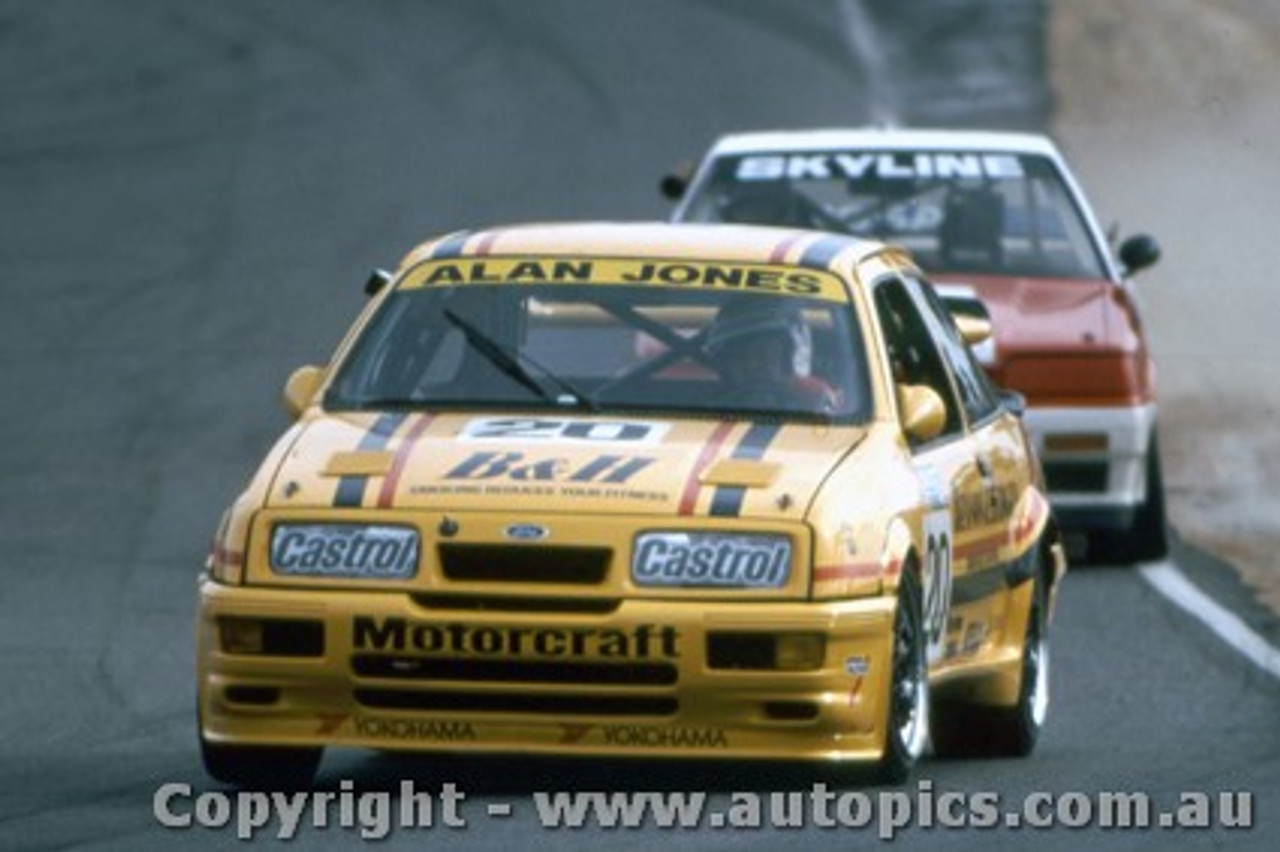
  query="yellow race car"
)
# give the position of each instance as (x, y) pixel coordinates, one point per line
(637, 489)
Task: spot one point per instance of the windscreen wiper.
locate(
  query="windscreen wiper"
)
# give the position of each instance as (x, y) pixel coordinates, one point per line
(510, 365)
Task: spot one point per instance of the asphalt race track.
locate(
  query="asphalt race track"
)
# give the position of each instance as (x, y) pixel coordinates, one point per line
(191, 196)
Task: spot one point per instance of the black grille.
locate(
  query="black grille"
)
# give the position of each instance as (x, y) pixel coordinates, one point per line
(516, 702)
(498, 603)
(514, 671)
(488, 563)
(1086, 477)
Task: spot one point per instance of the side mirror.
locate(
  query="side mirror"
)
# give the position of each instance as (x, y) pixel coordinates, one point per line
(300, 388)
(974, 329)
(972, 319)
(1138, 252)
(673, 185)
(968, 310)
(377, 280)
(924, 414)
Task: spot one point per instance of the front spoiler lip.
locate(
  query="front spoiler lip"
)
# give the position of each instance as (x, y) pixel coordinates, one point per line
(720, 713)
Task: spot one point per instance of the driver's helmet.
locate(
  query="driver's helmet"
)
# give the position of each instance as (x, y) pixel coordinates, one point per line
(746, 319)
(763, 203)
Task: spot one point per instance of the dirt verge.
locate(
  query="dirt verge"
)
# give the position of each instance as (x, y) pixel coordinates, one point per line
(1170, 111)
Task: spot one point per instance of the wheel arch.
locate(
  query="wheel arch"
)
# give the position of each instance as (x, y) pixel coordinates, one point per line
(901, 554)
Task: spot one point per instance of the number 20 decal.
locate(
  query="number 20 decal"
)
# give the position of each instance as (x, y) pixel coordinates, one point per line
(937, 579)
(633, 433)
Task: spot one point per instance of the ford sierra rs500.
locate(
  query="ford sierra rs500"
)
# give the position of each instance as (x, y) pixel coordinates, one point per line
(636, 489)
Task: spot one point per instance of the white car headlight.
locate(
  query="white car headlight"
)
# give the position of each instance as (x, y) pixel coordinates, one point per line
(361, 551)
(726, 560)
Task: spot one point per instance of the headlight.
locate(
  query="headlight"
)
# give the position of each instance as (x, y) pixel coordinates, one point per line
(711, 559)
(360, 551)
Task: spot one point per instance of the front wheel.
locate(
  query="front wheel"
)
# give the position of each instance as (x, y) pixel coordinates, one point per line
(1147, 538)
(907, 725)
(1016, 730)
(970, 730)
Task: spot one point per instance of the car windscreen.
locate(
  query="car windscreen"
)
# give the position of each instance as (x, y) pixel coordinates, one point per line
(684, 349)
(983, 213)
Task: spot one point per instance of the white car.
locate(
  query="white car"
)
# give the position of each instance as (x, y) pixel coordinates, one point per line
(996, 218)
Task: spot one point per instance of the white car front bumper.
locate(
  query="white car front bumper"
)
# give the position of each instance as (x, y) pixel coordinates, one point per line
(1095, 461)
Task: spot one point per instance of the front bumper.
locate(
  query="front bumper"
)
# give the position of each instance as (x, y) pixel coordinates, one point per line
(641, 679)
(1095, 461)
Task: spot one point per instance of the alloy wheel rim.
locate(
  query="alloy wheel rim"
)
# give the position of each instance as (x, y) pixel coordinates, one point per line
(911, 697)
(1038, 659)
(1036, 667)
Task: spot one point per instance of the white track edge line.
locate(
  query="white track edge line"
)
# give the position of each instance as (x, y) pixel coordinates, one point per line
(1166, 579)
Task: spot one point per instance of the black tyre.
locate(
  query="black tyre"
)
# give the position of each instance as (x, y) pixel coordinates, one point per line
(261, 767)
(975, 730)
(907, 728)
(1016, 730)
(1147, 538)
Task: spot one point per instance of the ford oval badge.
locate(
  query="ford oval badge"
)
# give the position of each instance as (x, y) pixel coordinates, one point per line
(527, 532)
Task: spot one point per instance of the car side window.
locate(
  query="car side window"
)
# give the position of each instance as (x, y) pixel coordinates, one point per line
(913, 354)
(976, 393)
